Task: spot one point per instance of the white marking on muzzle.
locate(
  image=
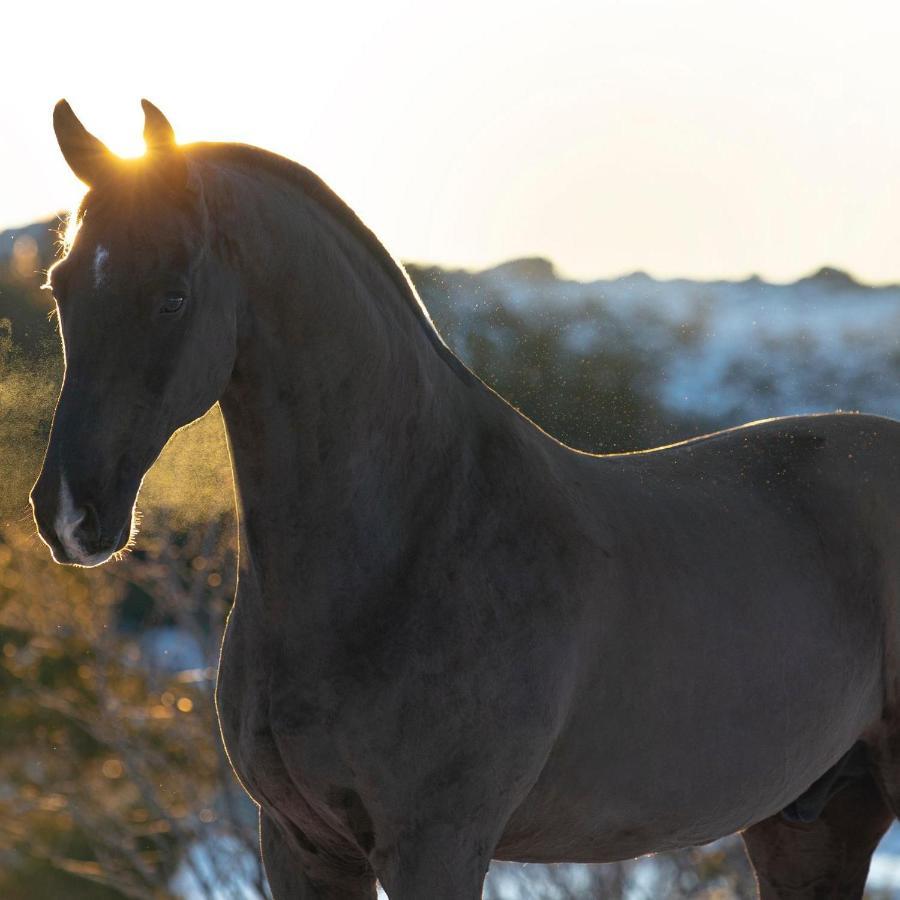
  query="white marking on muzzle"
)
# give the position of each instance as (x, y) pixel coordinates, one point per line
(101, 255)
(68, 518)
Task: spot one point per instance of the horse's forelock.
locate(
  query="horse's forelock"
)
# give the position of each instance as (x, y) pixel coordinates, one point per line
(141, 201)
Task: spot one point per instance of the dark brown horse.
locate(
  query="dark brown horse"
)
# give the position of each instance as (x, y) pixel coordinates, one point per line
(455, 638)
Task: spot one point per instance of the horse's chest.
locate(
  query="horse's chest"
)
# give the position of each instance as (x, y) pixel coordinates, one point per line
(242, 702)
(256, 709)
(292, 784)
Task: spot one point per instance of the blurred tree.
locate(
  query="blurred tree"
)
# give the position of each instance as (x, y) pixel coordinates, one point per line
(112, 778)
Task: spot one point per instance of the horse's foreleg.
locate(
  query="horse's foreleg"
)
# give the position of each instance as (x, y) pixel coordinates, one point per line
(824, 860)
(295, 875)
(443, 863)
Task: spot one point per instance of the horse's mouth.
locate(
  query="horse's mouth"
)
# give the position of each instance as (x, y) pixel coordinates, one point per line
(72, 550)
(76, 535)
(75, 554)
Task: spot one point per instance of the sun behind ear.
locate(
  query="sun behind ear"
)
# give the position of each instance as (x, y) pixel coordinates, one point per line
(162, 150)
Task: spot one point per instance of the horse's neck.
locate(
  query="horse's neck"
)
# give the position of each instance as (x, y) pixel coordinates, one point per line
(342, 413)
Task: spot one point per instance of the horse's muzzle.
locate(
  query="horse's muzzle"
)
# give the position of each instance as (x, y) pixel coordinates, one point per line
(73, 530)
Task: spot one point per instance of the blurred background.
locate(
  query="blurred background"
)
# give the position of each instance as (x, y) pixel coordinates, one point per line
(636, 221)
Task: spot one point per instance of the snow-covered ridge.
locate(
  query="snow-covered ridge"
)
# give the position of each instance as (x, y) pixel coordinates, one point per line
(727, 350)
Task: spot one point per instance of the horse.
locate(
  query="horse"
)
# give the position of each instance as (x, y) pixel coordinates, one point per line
(455, 639)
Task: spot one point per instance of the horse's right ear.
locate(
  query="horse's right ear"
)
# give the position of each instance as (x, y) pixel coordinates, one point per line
(87, 156)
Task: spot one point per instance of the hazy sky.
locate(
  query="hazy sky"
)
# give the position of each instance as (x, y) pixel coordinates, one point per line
(685, 137)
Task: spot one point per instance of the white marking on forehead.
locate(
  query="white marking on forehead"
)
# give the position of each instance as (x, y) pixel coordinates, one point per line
(101, 255)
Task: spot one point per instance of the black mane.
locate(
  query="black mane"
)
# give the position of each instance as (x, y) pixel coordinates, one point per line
(317, 190)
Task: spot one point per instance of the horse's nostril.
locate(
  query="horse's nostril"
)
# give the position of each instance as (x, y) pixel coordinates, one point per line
(88, 528)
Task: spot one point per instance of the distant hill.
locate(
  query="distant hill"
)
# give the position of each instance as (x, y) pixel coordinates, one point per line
(25, 254)
(44, 234)
(709, 352)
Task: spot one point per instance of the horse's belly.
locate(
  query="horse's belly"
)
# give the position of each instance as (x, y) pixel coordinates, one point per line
(616, 819)
(659, 765)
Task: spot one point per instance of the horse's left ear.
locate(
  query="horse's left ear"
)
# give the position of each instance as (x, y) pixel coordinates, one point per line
(159, 136)
(158, 133)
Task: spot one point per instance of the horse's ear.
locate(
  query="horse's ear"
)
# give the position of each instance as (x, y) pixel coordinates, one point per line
(158, 133)
(162, 151)
(87, 157)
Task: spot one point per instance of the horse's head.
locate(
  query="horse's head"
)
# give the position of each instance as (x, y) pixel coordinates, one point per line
(148, 328)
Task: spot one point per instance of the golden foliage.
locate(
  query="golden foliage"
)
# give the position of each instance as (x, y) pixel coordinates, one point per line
(111, 771)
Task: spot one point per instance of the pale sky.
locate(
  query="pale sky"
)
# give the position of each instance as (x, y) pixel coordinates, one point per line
(704, 138)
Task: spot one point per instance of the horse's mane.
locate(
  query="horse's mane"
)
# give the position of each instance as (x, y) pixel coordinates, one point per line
(317, 190)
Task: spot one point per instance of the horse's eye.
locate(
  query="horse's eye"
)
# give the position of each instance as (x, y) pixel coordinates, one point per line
(172, 303)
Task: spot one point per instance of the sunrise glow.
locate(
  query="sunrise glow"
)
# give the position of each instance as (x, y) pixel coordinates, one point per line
(702, 138)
